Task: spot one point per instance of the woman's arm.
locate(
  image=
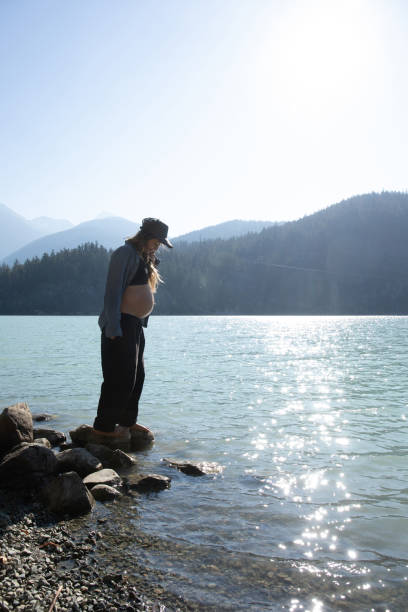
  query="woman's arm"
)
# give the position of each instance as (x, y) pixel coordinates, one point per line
(114, 292)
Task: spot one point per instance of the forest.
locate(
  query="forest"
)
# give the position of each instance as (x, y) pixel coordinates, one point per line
(347, 259)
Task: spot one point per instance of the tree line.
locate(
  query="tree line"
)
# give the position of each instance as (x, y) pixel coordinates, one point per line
(347, 259)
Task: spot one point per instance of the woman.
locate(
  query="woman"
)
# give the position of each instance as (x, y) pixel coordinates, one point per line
(129, 299)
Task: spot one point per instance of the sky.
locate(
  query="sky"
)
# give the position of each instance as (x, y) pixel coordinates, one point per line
(200, 111)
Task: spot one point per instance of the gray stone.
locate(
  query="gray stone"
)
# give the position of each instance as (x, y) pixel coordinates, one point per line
(67, 494)
(106, 476)
(42, 441)
(140, 440)
(78, 460)
(194, 468)
(103, 492)
(16, 426)
(55, 438)
(148, 482)
(27, 465)
(111, 458)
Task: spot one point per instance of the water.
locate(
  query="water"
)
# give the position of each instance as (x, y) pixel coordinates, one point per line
(307, 416)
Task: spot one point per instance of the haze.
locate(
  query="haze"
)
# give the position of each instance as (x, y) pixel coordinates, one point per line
(200, 112)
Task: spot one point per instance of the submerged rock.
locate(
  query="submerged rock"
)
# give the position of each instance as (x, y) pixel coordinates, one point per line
(107, 476)
(194, 468)
(16, 426)
(27, 465)
(67, 494)
(79, 460)
(43, 417)
(55, 438)
(147, 482)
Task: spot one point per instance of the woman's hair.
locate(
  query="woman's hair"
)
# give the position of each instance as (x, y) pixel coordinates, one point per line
(139, 241)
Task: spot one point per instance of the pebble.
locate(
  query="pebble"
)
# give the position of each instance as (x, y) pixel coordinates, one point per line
(37, 555)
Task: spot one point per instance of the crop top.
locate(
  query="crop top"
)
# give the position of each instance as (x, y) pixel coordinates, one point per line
(141, 277)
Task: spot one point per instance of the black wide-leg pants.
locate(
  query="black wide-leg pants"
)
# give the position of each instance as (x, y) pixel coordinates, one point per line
(123, 376)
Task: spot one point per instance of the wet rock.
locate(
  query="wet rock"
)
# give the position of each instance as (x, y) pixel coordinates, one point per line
(54, 437)
(140, 440)
(147, 482)
(111, 458)
(27, 465)
(81, 434)
(67, 494)
(16, 426)
(106, 476)
(43, 442)
(43, 416)
(85, 434)
(194, 468)
(103, 492)
(78, 460)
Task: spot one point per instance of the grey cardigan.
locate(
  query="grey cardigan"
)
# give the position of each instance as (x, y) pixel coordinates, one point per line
(122, 268)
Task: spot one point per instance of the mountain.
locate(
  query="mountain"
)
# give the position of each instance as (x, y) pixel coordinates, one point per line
(347, 259)
(228, 229)
(15, 231)
(47, 225)
(109, 232)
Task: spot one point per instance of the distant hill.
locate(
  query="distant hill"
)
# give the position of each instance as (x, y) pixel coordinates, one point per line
(15, 231)
(47, 225)
(228, 229)
(347, 259)
(109, 232)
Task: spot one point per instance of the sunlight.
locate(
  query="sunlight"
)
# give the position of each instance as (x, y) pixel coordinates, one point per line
(318, 56)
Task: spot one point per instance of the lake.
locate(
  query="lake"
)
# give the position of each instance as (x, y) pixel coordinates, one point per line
(308, 417)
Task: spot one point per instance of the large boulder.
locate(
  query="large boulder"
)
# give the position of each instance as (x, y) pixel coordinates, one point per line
(26, 466)
(108, 477)
(55, 438)
(67, 494)
(111, 458)
(16, 426)
(78, 460)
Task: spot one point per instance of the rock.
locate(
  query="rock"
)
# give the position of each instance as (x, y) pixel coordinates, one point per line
(85, 434)
(54, 437)
(78, 460)
(106, 476)
(43, 417)
(27, 465)
(147, 482)
(16, 426)
(195, 468)
(140, 440)
(111, 458)
(81, 434)
(103, 492)
(42, 441)
(67, 494)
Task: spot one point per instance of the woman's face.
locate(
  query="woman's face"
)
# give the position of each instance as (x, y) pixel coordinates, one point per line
(152, 245)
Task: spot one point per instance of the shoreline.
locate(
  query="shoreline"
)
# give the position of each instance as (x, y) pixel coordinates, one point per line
(49, 564)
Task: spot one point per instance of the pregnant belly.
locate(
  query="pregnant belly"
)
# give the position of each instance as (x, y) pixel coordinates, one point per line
(138, 301)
